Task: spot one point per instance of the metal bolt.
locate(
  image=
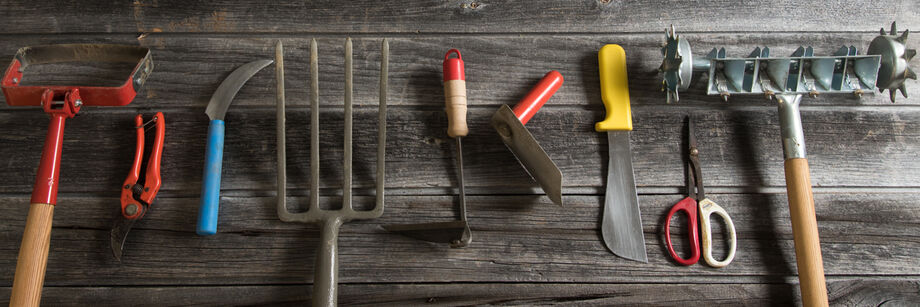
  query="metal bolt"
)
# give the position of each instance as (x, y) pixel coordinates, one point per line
(813, 94)
(131, 209)
(694, 151)
(78, 103)
(127, 186)
(769, 94)
(15, 80)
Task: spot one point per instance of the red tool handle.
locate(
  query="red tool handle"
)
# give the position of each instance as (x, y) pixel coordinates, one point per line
(152, 180)
(527, 107)
(455, 95)
(687, 205)
(453, 67)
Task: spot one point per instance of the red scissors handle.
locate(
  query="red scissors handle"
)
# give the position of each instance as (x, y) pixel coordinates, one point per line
(688, 205)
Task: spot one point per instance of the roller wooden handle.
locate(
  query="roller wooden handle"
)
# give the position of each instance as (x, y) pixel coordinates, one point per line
(455, 103)
(805, 233)
(33, 256)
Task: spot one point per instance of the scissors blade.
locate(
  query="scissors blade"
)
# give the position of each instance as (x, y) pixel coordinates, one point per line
(691, 134)
(695, 180)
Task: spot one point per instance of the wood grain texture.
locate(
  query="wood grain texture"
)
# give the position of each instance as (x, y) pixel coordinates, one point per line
(805, 233)
(844, 292)
(739, 148)
(500, 68)
(453, 16)
(33, 256)
(526, 250)
(517, 239)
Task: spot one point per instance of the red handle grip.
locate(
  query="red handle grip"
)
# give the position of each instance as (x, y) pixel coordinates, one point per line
(527, 107)
(687, 205)
(453, 67)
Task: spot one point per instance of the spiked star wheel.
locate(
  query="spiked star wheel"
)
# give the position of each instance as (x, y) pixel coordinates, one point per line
(895, 68)
(677, 65)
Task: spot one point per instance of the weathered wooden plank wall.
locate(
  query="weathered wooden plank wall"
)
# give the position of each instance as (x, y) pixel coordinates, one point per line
(526, 250)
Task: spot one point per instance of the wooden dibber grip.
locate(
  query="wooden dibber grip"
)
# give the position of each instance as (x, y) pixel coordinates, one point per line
(455, 95)
(33, 256)
(805, 233)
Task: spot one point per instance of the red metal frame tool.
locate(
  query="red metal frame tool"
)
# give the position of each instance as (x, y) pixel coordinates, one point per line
(60, 102)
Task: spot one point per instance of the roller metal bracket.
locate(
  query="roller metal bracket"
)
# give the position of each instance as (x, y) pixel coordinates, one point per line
(802, 73)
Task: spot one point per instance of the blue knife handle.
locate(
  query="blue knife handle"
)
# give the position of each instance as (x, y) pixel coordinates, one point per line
(210, 187)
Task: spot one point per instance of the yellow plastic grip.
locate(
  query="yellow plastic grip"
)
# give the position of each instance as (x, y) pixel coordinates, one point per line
(614, 89)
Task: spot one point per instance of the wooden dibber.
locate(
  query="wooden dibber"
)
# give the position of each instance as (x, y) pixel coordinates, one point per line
(805, 233)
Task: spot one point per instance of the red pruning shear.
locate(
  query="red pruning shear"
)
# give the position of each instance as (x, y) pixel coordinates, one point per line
(136, 198)
(697, 197)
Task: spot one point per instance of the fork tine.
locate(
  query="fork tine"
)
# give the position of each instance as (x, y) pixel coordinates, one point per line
(382, 125)
(280, 126)
(314, 127)
(346, 185)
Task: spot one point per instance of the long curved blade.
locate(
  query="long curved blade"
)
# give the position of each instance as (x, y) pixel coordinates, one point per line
(224, 94)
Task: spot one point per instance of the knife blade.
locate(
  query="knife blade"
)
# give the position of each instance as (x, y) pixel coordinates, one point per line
(214, 152)
(622, 224)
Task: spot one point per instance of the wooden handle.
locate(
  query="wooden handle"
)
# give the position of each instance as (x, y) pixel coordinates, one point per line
(455, 103)
(805, 233)
(33, 256)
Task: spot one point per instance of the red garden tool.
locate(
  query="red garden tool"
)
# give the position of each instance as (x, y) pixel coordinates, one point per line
(456, 233)
(61, 103)
(696, 200)
(509, 123)
(136, 198)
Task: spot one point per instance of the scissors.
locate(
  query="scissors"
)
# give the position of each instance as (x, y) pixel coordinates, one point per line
(697, 197)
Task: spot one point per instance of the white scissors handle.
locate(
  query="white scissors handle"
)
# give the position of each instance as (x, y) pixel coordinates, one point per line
(707, 208)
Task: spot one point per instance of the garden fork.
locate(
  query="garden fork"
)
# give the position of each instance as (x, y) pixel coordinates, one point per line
(326, 270)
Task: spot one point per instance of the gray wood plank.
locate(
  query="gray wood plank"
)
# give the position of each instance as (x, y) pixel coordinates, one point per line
(741, 148)
(842, 292)
(455, 16)
(516, 239)
(500, 69)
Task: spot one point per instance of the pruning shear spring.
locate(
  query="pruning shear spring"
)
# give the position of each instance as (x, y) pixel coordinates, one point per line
(696, 196)
(136, 198)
